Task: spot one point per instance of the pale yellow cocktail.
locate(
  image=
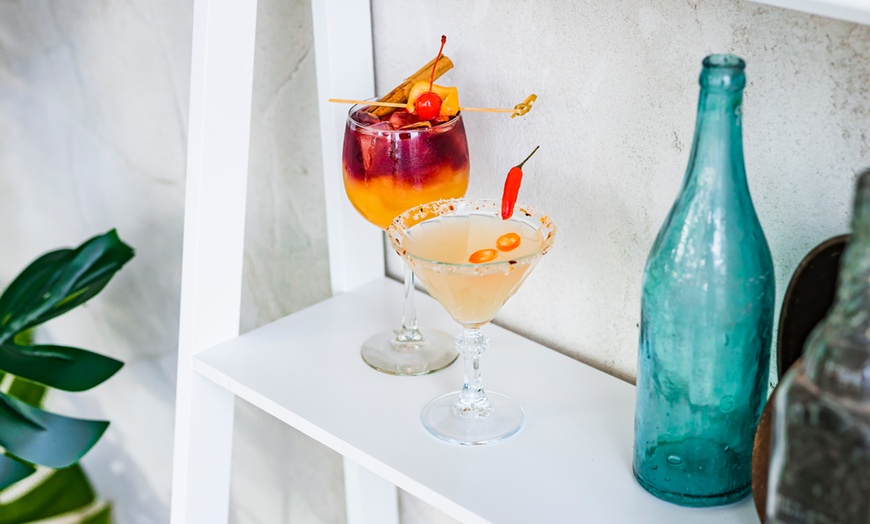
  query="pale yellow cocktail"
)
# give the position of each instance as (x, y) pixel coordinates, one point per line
(472, 262)
(472, 296)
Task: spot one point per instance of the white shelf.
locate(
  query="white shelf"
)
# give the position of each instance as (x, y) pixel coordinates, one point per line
(570, 463)
(850, 10)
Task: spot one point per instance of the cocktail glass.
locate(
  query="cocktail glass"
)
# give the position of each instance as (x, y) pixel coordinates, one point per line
(387, 171)
(437, 241)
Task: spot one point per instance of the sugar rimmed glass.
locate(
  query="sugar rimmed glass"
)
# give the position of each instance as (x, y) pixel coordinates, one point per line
(435, 241)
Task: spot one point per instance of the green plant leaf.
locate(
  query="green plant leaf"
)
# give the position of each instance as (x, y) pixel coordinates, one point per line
(20, 412)
(12, 471)
(59, 281)
(61, 367)
(31, 283)
(23, 338)
(27, 391)
(53, 284)
(45, 438)
(103, 516)
(62, 491)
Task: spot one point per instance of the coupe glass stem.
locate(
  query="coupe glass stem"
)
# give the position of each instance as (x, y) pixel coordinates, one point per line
(409, 331)
(472, 401)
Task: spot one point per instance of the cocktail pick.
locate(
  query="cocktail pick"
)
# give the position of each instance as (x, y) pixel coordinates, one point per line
(518, 110)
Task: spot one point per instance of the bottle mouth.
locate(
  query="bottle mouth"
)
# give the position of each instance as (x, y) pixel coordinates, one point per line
(723, 72)
(724, 61)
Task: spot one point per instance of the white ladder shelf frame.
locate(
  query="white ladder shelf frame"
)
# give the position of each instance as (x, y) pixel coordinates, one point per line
(222, 68)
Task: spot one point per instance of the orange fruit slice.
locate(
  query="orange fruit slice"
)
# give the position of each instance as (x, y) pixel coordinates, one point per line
(508, 242)
(483, 255)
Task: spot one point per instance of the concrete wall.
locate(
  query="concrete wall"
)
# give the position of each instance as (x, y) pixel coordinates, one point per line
(93, 120)
(617, 88)
(93, 124)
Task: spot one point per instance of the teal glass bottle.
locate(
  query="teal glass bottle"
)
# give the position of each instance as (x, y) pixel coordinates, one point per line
(706, 316)
(820, 445)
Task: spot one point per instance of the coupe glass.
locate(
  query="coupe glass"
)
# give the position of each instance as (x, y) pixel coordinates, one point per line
(387, 171)
(437, 240)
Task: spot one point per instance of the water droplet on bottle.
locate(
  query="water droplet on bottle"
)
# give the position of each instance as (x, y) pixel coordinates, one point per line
(727, 449)
(675, 460)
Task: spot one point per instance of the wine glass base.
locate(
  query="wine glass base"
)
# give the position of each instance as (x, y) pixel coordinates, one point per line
(441, 419)
(433, 352)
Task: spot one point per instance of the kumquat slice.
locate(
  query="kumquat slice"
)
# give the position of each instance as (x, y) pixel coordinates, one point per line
(483, 255)
(508, 242)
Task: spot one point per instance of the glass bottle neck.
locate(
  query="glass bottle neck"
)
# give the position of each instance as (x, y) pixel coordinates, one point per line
(853, 289)
(718, 137)
(838, 351)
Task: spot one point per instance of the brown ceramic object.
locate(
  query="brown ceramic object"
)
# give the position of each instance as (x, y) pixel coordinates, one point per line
(807, 300)
(761, 455)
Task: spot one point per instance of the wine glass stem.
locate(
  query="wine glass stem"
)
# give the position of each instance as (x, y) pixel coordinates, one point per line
(472, 399)
(409, 331)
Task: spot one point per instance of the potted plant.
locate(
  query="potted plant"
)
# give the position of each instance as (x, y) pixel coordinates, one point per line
(30, 436)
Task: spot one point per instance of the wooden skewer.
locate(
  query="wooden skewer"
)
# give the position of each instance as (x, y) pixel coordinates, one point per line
(367, 102)
(486, 110)
(396, 104)
(520, 109)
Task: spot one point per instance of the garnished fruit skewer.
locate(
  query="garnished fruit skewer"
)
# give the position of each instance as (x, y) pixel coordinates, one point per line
(518, 110)
(428, 101)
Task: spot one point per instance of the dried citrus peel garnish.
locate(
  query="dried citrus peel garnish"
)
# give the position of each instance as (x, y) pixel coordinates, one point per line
(449, 98)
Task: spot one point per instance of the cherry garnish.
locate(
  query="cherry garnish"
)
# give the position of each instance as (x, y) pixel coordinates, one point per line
(428, 105)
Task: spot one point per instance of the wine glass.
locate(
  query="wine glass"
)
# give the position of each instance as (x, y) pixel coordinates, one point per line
(472, 262)
(390, 166)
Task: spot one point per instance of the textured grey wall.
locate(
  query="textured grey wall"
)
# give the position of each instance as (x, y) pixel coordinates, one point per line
(617, 87)
(93, 115)
(93, 120)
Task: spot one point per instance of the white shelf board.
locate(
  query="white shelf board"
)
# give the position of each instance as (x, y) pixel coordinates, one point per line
(570, 463)
(850, 10)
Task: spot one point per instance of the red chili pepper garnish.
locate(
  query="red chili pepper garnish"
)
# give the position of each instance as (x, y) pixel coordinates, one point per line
(512, 188)
(428, 105)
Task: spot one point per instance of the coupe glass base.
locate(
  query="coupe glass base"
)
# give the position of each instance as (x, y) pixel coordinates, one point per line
(432, 352)
(441, 418)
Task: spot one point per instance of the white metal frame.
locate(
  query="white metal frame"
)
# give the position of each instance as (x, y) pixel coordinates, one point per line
(222, 67)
